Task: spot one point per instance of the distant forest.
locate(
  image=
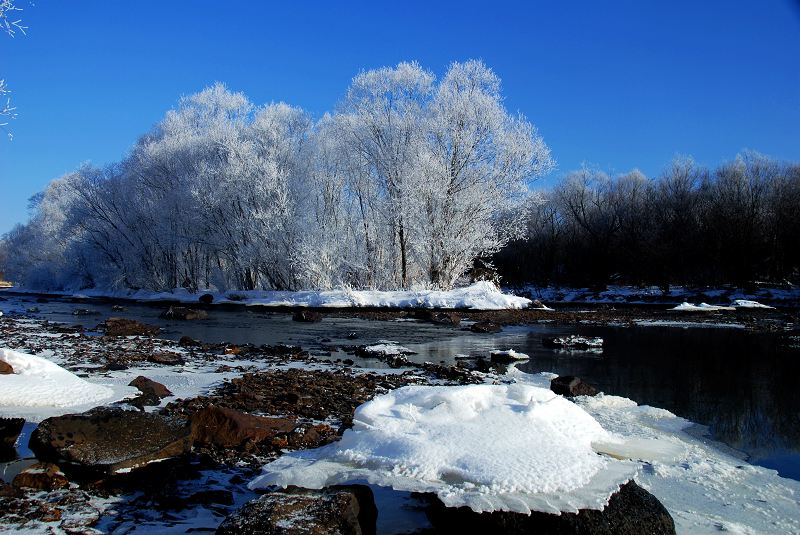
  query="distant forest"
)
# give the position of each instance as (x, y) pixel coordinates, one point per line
(736, 224)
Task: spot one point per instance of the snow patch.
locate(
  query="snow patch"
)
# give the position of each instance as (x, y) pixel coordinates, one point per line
(489, 447)
(37, 382)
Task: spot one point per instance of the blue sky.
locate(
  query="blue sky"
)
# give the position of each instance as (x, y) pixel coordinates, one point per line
(617, 85)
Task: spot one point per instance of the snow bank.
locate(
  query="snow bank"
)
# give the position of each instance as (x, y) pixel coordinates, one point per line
(481, 295)
(39, 384)
(489, 447)
(702, 307)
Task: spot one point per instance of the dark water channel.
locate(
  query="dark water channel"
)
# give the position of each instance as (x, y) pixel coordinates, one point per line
(743, 385)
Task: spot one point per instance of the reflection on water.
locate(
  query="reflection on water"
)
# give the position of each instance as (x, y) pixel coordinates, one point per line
(742, 385)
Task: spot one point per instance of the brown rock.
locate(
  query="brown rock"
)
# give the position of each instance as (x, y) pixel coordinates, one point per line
(228, 428)
(150, 387)
(169, 359)
(346, 510)
(570, 386)
(307, 316)
(485, 327)
(41, 476)
(183, 313)
(127, 327)
(111, 440)
(5, 368)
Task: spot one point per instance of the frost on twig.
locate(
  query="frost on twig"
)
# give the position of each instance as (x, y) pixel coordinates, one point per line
(7, 22)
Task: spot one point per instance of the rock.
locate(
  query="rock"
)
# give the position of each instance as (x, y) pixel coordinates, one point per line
(183, 313)
(569, 386)
(10, 428)
(126, 327)
(150, 387)
(206, 299)
(188, 341)
(346, 510)
(84, 312)
(228, 428)
(111, 440)
(440, 318)
(631, 511)
(573, 342)
(9, 491)
(41, 476)
(169, 359)
(485, 327)
(5, 368)
(307, 316)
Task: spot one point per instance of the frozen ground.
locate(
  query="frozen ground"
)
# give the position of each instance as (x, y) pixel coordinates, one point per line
(706, 487)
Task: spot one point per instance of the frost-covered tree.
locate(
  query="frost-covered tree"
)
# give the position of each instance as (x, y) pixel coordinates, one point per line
(9, 24)
(474, 168)
(405, 184)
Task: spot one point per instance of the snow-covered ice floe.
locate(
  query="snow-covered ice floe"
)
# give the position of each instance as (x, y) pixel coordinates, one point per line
(706, 487)
(702, 307)
(746, 303)
(490, 447)
(508, 354)
(39, 388)
(482, 295)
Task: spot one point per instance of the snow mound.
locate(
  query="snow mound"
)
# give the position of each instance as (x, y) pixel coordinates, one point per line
(489, 447)
(745, 303)
(387, 348)
(508, 354)
(37, 382)
(702, 307)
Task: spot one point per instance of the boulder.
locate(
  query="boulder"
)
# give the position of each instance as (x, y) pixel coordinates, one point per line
(169, 359)
(346, 510)
(307, 316)
(84, 312)
(10, 428)
(188, 341)
(570, 386)
(228, 428)
(149, 387)
(206, 299)
(127, 327)
(485, 327)
(5, 368)
(111, 440)
(183, 313)
(440, 318)
(41, 476)
(630, 511)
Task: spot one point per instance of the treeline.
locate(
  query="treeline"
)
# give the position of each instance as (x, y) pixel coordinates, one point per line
(405, 184)
(736, 224)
